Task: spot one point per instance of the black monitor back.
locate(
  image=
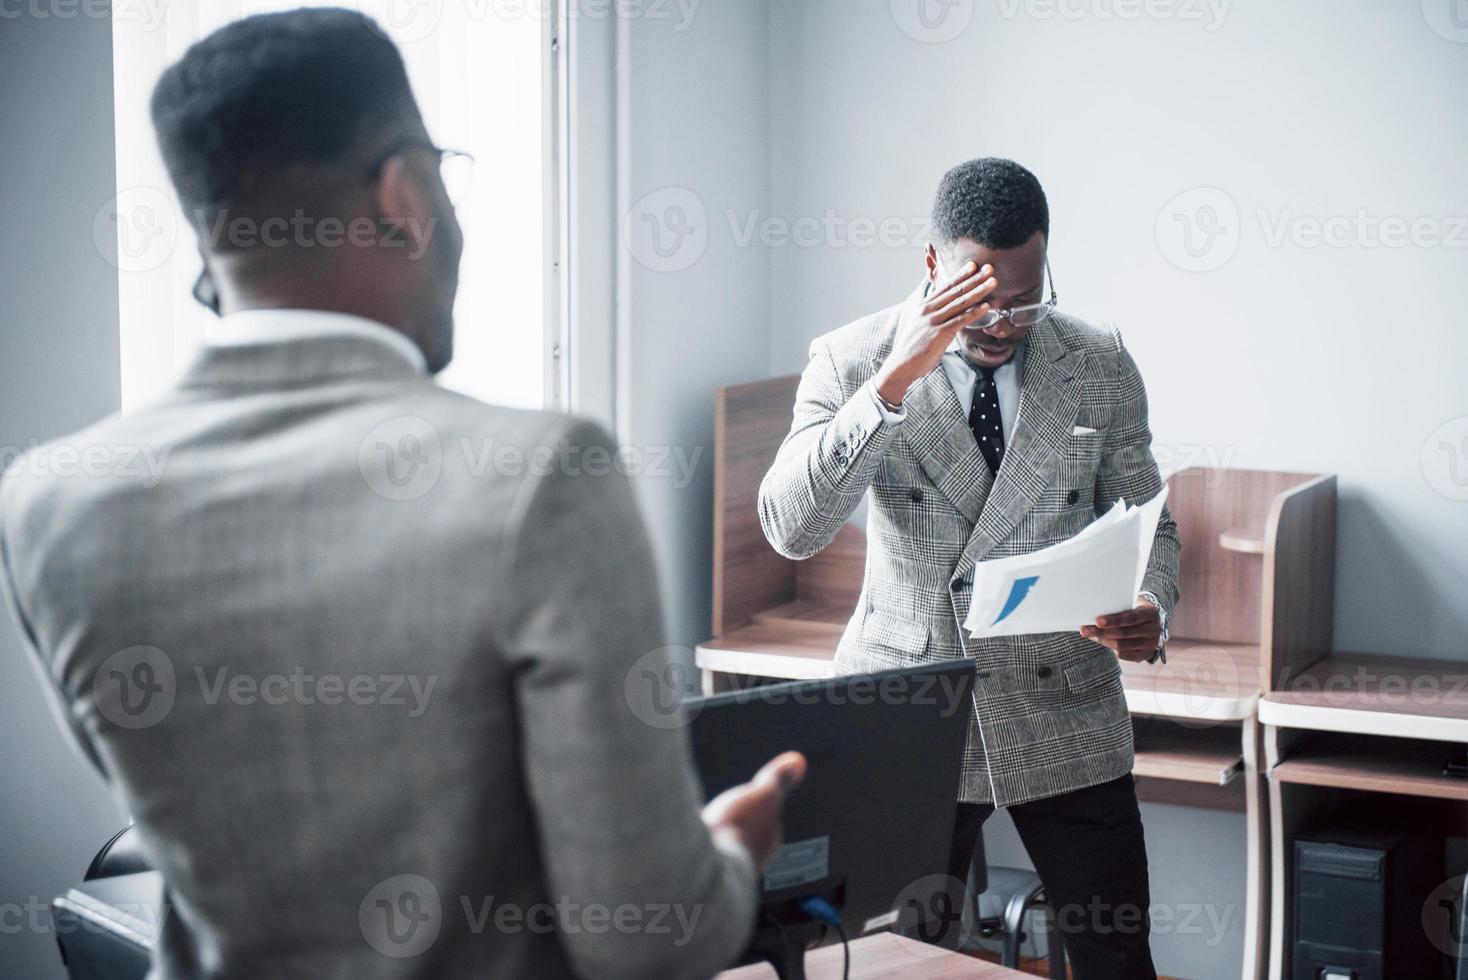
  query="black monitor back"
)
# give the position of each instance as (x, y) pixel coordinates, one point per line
(872, 825)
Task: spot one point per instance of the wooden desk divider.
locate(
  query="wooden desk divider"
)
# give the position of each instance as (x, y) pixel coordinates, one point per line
(1257, 573)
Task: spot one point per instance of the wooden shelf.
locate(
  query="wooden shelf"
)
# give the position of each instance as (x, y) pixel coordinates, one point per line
(1397, 697)
(762, 650)
(1242, 542)
(805, 615)
(1408, 767)
(1167, 750)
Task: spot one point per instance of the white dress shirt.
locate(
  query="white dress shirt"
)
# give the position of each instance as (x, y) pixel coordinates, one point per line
(279, 326)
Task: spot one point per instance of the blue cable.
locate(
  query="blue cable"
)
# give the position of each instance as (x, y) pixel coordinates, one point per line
(822, 911)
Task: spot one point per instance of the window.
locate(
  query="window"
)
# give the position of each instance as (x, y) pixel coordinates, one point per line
(478, 71)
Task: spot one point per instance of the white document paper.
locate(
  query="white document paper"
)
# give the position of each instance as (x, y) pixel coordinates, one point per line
(1066, 586)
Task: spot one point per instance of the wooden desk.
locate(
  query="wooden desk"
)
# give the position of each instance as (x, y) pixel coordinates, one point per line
(887, 955)
(1350, 729)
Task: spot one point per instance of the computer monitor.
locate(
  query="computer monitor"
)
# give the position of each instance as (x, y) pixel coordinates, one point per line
(871, 828)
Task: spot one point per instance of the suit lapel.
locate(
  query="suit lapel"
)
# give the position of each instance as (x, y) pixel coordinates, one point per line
(939, 435)
(1049, 400)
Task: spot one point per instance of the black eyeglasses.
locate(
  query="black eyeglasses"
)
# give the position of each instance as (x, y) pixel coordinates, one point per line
(205, 293)
(1026, 315)
(455, 166)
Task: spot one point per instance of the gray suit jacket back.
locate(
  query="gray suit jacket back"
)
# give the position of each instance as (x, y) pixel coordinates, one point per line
(368, 661)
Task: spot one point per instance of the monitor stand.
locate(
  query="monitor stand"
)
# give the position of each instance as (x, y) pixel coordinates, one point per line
(783, 945)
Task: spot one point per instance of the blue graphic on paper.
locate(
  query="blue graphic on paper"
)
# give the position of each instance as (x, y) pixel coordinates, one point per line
(1017, 593)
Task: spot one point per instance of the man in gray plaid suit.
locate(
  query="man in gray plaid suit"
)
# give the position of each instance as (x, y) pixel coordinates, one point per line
(980, 423)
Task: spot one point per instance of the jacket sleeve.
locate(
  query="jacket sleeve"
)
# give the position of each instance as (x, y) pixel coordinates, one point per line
(12, 587)
(603, 737)
(827, 461)
(1129, 470)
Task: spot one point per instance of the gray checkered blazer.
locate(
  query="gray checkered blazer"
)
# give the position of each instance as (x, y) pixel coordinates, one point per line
(1050, 715)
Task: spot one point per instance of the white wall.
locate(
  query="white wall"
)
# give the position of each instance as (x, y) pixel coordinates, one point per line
(693, 305)
(1288, 355)
(1281, 353)
(58, 372)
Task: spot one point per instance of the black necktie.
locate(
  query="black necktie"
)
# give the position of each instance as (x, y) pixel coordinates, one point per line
(984, 420)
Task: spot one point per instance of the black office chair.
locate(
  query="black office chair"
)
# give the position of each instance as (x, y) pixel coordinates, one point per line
(106, 925)
(1002, 897)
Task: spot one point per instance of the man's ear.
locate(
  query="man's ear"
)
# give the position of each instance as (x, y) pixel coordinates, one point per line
(930, 259)
(404, 201)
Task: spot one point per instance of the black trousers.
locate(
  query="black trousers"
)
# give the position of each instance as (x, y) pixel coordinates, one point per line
(1088, 850)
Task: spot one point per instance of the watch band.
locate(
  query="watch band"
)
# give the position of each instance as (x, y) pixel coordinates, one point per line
(1160, 654)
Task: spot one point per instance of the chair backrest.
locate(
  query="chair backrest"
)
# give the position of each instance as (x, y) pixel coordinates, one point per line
(122, 855)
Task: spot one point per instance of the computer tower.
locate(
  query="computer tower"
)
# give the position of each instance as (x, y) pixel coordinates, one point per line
(1358, 905)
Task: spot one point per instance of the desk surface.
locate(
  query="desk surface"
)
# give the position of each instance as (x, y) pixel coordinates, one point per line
(1401, 697)
(887, 955)
(1201, 680)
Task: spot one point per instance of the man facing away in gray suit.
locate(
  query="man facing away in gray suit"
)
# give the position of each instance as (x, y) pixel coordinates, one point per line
(978, 422)
(376, 711)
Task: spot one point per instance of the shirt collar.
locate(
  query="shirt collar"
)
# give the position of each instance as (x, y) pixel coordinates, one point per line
(955, 347)
(279, 326)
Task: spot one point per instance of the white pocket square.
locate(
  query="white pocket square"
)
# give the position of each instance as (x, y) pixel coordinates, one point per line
(1082, 430)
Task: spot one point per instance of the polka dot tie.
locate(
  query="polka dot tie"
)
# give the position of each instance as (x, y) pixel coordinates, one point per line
(984, 420)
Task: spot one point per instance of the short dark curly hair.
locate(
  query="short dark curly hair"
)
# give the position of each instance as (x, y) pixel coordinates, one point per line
(992, 201)
(272, 92)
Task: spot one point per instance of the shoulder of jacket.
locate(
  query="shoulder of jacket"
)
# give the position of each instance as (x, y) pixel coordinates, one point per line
(862, 343)
(1079, 335)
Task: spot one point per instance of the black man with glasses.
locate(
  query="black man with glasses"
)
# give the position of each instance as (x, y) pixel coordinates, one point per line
(978, 421)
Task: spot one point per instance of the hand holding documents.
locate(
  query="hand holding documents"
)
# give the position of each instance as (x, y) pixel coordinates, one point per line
(1061, 587)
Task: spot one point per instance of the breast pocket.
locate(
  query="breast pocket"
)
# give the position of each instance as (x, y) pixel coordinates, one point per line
(1084, 445)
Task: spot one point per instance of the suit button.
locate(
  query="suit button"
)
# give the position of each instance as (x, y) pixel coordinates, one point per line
(916, 496)
(841, 458)
(958, 584)
(1043, 671)
(1073, 496)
